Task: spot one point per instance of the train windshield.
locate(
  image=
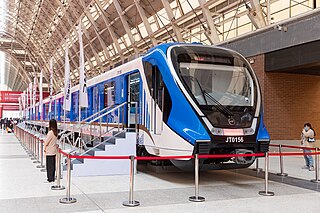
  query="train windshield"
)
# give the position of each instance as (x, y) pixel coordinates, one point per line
(220, 83)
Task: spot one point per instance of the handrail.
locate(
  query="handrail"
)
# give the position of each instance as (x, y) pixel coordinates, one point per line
(113, 136)
(91, 116)
(95, 137)
(86, 124)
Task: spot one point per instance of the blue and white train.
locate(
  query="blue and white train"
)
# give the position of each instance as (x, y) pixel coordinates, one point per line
(190, 98)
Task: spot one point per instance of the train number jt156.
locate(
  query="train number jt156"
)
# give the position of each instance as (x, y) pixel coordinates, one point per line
(234, 140)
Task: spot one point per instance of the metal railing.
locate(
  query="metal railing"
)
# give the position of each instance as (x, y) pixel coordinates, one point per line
(82, 125)
(105, 141)
(90, 117)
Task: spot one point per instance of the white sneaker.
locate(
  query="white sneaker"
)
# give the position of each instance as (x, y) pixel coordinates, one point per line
(305, 167)
(311, 168)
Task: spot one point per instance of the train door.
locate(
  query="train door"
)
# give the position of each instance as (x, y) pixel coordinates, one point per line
(133, 98)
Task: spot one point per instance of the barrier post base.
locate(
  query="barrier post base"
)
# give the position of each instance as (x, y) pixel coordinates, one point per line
(131, 203)
(315, 181)
(40, 166)
(264, 193)
(196, 199)
(68, 200)
(282, 174)
(57, 187)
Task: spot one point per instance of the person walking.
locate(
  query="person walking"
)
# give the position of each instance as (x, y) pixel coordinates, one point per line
(307, 140)
(50, 149)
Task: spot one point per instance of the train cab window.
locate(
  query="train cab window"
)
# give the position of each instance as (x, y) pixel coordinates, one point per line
(109, 96)
(221, 83)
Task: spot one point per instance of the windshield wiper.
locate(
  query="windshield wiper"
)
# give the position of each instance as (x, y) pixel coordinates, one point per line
(224, 110)
(196, 80)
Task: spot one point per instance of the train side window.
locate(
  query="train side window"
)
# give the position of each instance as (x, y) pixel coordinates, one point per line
(148, 73)
(158, 89)
(95, 99)
(109, 97)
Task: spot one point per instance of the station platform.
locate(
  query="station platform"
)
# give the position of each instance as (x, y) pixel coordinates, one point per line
(22, 189)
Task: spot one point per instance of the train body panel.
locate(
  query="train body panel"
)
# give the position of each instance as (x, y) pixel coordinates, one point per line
(185, 98)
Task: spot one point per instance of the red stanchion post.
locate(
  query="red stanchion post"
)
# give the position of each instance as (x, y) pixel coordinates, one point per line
(266, 191)
(131, 202)
(196, 197)
(68, 199)
(281, 163)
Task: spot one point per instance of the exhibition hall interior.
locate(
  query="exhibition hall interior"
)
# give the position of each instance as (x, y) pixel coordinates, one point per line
(159, 105)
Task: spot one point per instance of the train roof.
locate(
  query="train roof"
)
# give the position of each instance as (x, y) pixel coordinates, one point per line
(129, 65)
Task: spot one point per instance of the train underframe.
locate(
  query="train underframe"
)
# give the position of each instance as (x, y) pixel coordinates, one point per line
(218, 149)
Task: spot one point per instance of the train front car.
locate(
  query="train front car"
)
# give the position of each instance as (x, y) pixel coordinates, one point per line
(222, 108)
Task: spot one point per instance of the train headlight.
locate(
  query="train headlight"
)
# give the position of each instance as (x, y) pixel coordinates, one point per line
(217, 131)
(248, 131)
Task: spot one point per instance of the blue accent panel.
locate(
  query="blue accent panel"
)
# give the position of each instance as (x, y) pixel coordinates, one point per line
(140, 101)
(90, 102)
(144, 107)
(262, 132)
(120, 94)
(62, 118)
(101, 97)
(52, 109)
(59, 110)
(44, 112)
(163, 47)
(75, 106)
(182, 119)
(147, 117)
(39, 114)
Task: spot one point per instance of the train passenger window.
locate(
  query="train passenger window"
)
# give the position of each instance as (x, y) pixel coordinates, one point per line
(95, 95)
(109, 96)
(158, 89)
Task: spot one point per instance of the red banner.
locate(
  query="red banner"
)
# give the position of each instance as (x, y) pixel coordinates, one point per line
(12, 96)
(9, 96)
(10, 107)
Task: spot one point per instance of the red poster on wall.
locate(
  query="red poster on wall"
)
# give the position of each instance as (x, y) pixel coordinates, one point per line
(12, 96)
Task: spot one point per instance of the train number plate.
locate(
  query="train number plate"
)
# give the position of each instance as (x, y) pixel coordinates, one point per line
(234, 140)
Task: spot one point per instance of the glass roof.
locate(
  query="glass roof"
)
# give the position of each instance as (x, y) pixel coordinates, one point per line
(114, 31)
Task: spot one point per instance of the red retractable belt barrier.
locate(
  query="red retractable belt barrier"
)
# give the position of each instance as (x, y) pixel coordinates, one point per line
(164, 157)
(192, 156)
(161, 158)
(64, 153)
(293, 153)
(99, 157)
(292, 147)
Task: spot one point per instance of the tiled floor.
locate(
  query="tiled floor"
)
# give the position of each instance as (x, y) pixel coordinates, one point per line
(22, 189)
